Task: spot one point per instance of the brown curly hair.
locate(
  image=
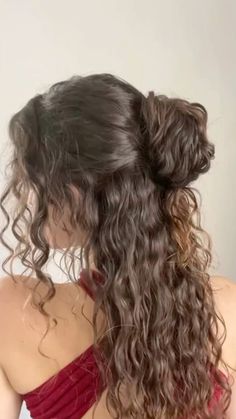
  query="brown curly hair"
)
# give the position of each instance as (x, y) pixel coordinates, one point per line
(132, 159)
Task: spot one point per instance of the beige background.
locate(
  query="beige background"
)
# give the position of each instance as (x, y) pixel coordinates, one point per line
(179, 47)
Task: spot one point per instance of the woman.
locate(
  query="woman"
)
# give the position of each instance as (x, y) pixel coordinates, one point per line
(140, 330)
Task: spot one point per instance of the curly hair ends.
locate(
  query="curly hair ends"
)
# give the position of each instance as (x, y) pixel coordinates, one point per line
(132, 159)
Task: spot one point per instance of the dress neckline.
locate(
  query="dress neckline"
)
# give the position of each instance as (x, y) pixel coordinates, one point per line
(77, 360)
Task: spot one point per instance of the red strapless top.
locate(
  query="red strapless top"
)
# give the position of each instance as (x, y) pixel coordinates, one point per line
(71, 392)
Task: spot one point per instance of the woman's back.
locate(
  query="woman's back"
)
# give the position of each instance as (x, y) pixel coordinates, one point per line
(22, 328)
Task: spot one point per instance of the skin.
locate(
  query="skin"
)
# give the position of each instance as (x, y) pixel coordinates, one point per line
(22, 368)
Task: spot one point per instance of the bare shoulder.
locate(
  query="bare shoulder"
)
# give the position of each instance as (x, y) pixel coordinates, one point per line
(12, 294)
(16, 310)
(224, 292)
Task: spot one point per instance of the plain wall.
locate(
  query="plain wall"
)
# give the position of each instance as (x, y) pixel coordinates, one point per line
(179, 47)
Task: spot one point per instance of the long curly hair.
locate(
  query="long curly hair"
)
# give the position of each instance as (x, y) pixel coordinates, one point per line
(132, 159)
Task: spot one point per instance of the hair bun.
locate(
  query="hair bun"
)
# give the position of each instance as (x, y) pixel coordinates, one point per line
(175, 146)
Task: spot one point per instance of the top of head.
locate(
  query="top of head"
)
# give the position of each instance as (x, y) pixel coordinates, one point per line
(101, 124)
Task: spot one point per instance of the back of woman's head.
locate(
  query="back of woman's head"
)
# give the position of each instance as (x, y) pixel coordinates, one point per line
(122, 164)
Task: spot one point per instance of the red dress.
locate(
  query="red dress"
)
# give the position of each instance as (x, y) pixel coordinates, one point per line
(71, 392)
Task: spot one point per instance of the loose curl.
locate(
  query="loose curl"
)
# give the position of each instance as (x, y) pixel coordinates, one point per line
(132, 159)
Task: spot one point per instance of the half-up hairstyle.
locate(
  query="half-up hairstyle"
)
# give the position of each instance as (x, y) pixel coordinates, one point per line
(132, 159)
